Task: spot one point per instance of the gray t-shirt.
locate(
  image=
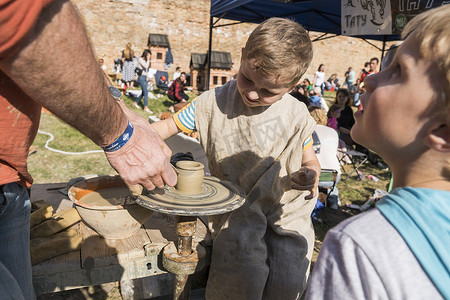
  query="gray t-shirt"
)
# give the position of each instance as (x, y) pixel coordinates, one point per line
(365, 257)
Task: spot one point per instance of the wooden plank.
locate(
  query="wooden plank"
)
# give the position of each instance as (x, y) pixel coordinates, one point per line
(97, 251)
(59, 264)
(161, 228)
(48, 283)
(62, 263)
(49, 192)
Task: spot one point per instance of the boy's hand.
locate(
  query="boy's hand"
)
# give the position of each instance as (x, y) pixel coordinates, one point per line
(307, 178)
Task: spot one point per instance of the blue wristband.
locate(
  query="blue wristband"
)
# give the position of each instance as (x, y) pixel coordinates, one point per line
(122, 140)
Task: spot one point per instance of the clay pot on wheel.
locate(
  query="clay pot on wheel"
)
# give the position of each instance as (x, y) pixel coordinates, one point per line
(190, 177)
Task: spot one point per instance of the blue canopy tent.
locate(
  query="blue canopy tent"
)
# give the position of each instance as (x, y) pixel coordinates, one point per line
(314, 15)
(318, 15)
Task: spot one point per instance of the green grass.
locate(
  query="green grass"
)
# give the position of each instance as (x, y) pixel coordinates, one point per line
(157, 106)
(49, 167)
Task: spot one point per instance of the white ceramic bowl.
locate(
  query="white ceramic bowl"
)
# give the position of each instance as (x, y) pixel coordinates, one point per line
(100, 201)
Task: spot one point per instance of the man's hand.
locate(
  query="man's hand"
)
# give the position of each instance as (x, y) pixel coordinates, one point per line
(145, 158)
(307, 178)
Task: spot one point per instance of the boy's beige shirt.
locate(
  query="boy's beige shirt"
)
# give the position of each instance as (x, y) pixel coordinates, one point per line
(257, 149)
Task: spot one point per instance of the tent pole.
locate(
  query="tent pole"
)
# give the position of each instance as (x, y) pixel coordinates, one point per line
(383, 49)
(208, 73)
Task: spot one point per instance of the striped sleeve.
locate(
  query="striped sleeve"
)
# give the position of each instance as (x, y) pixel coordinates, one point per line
(185, 118)
(308, 143)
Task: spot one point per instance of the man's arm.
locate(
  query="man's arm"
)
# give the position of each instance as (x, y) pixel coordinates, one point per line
(57, 67)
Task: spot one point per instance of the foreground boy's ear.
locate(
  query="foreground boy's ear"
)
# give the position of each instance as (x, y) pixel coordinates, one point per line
(439, 138)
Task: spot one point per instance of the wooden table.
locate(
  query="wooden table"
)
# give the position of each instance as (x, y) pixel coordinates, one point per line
(101, 260)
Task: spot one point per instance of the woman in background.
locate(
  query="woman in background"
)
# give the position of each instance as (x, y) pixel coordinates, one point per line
(319, 78)
(346, 119)
(176, 89)
(128, 73)
(143, 65)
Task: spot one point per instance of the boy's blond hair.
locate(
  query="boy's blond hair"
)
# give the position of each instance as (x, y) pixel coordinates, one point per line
(280, 47)
(432, 29)
(318, 115)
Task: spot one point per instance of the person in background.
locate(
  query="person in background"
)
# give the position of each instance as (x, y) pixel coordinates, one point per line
(332, 83)
(102, 64)
(364, 71)
(300, 93)
(128, 69)
(333, 114)
(319, 78)
(374, 61)
(349, 78)
(317, 100)
(83, 100)
(118, 65)
(151, 74)
(263, 249)
(308, 86)
(400, 249)
(355, 91)
(360, 86)
(176, 90)
(373, 69)
(346, 119)
(143, 65)
(177, 73)
(163, 83)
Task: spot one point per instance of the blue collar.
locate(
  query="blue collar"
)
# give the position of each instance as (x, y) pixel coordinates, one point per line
(422, 217)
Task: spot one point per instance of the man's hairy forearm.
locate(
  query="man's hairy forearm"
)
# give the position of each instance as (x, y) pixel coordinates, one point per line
(57, 68)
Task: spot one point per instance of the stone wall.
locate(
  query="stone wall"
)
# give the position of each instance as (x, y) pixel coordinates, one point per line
(113, 23)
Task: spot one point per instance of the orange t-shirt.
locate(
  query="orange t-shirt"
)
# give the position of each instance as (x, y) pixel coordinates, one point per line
(19, 114)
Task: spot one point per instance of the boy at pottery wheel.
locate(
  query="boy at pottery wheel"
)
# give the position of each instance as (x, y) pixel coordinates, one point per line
(259, 137)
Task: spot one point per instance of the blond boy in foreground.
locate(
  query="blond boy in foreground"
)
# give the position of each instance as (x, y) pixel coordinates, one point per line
(259, 137)
(400, 250)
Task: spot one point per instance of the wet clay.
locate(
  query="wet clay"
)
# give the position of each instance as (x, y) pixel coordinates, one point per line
(217, 197)
(106, 197)
(190, 177)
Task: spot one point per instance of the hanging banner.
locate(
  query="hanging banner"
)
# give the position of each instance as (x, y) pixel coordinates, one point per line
(366, 17)
(381, 17)
(403, 11)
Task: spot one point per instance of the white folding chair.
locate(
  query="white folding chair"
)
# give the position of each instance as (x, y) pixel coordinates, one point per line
(351, 155)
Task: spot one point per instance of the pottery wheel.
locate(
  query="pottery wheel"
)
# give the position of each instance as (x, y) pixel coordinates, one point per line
(218, 197)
